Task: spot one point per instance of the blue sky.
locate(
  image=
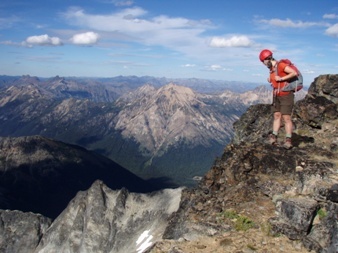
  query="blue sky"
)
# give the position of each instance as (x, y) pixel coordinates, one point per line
(211, 39)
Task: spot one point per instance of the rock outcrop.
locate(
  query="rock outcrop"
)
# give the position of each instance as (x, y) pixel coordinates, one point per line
(279, 192)
(102, 220)
(96, 220)
(21, 232)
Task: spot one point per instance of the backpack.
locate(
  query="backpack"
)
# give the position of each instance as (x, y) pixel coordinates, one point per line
(296, 83)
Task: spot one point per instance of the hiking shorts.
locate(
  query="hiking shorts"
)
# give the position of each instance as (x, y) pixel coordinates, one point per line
(283, 104)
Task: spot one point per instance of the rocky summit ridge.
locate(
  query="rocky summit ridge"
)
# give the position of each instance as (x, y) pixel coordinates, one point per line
(255, 198)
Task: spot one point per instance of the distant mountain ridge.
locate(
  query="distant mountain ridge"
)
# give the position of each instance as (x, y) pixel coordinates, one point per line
(133, 82)
(167, 131)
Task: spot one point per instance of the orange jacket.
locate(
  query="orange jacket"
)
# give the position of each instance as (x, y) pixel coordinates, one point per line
(277, 86)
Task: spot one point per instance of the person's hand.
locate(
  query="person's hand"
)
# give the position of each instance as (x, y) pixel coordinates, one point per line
(278, 79)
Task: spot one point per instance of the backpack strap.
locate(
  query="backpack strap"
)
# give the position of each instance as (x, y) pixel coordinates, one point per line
(276, 73)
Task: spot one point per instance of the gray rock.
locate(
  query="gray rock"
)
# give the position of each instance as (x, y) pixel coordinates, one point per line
(21, 232)
(102, 220)
(333, 193)
(323, 236)
(295, 217)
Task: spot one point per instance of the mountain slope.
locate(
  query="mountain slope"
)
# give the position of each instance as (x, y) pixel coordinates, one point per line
(174, 120)
(41, 175)
(168, 133)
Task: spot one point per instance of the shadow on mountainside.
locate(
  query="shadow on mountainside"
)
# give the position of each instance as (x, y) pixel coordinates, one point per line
(41, 176)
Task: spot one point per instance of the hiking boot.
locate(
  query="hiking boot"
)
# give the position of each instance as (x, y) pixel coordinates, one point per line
(287, 144)
(272, 139)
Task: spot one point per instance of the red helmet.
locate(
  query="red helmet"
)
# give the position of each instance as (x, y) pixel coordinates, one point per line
(265, 54)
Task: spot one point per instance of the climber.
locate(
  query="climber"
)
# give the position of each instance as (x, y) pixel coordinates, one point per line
(283, 101)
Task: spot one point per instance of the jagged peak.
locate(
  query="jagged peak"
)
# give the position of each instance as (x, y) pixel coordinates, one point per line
(57, 79)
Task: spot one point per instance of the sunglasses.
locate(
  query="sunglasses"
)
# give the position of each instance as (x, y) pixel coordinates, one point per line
(265, 61)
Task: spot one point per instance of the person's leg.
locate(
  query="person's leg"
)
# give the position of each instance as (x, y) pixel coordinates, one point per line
(288, 125)
(286, 109)
(277, 117)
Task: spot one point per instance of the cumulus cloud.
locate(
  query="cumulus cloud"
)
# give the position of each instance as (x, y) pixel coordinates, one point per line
(332, 31)
(129, 20)
(290, 23)
(234, 41)
(133, 25)
(88, 38)
(43, 40)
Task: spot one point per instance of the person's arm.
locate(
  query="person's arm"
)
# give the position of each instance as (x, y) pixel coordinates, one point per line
(290, 74)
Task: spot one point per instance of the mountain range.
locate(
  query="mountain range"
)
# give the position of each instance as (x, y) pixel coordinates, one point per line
(256, 197)
(169, 131)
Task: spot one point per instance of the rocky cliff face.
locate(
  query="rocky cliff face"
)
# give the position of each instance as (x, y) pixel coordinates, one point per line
(96, 220)
(102, 220)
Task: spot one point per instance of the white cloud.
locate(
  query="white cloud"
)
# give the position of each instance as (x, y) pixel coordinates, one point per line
(332, 31)
(43, 40)
(216, 67)
(289, 23)
(330, 16)
(188, 65)
(88, 38)
(132, 25)
(129, 20)
(234, 41)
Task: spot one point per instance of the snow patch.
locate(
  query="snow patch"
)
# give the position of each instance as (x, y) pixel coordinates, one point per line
(144, 240)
